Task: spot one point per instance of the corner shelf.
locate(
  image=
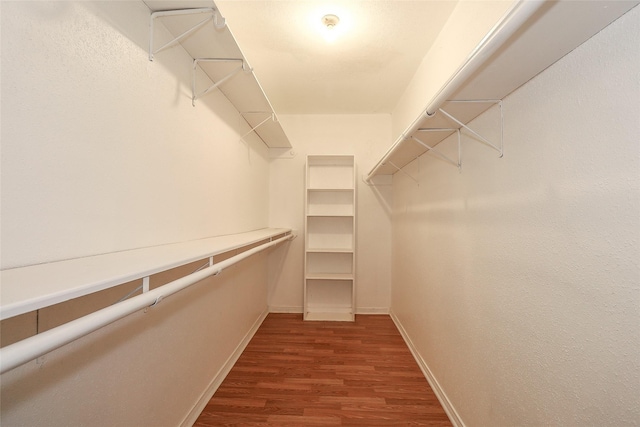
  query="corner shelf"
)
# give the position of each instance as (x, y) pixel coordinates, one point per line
(216, 53)
(527, 40)
(330, 232)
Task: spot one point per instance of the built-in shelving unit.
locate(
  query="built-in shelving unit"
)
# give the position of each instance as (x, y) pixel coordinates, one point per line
(201, 30)
(529, 38)
(330, 238)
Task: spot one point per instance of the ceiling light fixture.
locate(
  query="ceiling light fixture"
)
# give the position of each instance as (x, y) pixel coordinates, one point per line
(330, 22)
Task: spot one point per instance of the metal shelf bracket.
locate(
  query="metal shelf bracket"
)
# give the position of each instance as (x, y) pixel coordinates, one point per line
(195, 95)
(430, 149)
(272, 116)
(403, 171)
(498, 147)
(218, 21)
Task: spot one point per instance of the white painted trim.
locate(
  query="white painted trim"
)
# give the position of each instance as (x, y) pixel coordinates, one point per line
(298, 309)
(435, 386)
(372, 310)
(197, 409)
(285, 309)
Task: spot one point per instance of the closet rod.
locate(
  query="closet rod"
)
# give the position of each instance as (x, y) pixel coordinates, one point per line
(496, 37)
(33, 347)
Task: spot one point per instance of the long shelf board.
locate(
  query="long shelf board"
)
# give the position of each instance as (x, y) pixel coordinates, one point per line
(25, 289)
(243, 90)
(537, 45)
(330, 215)
(330, 250)
(331, 190)
(329, 276)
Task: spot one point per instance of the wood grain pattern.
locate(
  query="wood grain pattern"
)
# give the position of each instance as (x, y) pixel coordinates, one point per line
(296, 373)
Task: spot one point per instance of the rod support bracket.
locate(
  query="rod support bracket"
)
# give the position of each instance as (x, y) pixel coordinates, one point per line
(431, 149)
(399, 169)
(219, 22)
(157, 301)
(499, 147)
(196, 61)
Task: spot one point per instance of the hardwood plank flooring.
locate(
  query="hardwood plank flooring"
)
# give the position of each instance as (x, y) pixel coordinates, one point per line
(296, 373)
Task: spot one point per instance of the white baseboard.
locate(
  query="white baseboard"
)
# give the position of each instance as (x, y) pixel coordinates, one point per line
(197, 409)
(439, 392)
(372, 310)
(359, 310)
(285, 309)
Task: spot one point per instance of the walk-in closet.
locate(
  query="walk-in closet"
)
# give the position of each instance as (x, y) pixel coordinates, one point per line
(309, 212)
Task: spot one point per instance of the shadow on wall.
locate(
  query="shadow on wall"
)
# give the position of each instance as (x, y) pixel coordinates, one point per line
(277, 260)
(381, 187)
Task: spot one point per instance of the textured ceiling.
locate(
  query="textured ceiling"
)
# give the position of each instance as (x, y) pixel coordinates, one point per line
(365, 70)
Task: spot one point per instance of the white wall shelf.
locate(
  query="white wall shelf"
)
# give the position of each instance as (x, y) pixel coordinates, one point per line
(529, 38)
(34, 287)
(330, 231)
(330, 250)
(202, 32)
(330, 276)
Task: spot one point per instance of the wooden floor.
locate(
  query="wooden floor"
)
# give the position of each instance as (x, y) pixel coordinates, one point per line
(296, 373)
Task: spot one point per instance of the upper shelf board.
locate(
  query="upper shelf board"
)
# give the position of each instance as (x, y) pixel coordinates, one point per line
(25, 289)
(556, 29)
(243, 89)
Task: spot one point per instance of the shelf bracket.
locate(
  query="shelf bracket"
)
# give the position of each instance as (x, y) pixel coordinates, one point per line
(498, 148)
(403, 171)
(272, 116)
(218, 21)
(242, 67)
(431, 149)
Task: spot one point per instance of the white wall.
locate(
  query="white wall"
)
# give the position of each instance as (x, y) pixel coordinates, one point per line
(518, 280)
(363, 136)
(101, 148)
(101, 152)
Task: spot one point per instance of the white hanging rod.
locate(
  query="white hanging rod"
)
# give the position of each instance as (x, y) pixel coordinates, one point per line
(33, 347)
(235, 71)
(218, 21)
(515, 17)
